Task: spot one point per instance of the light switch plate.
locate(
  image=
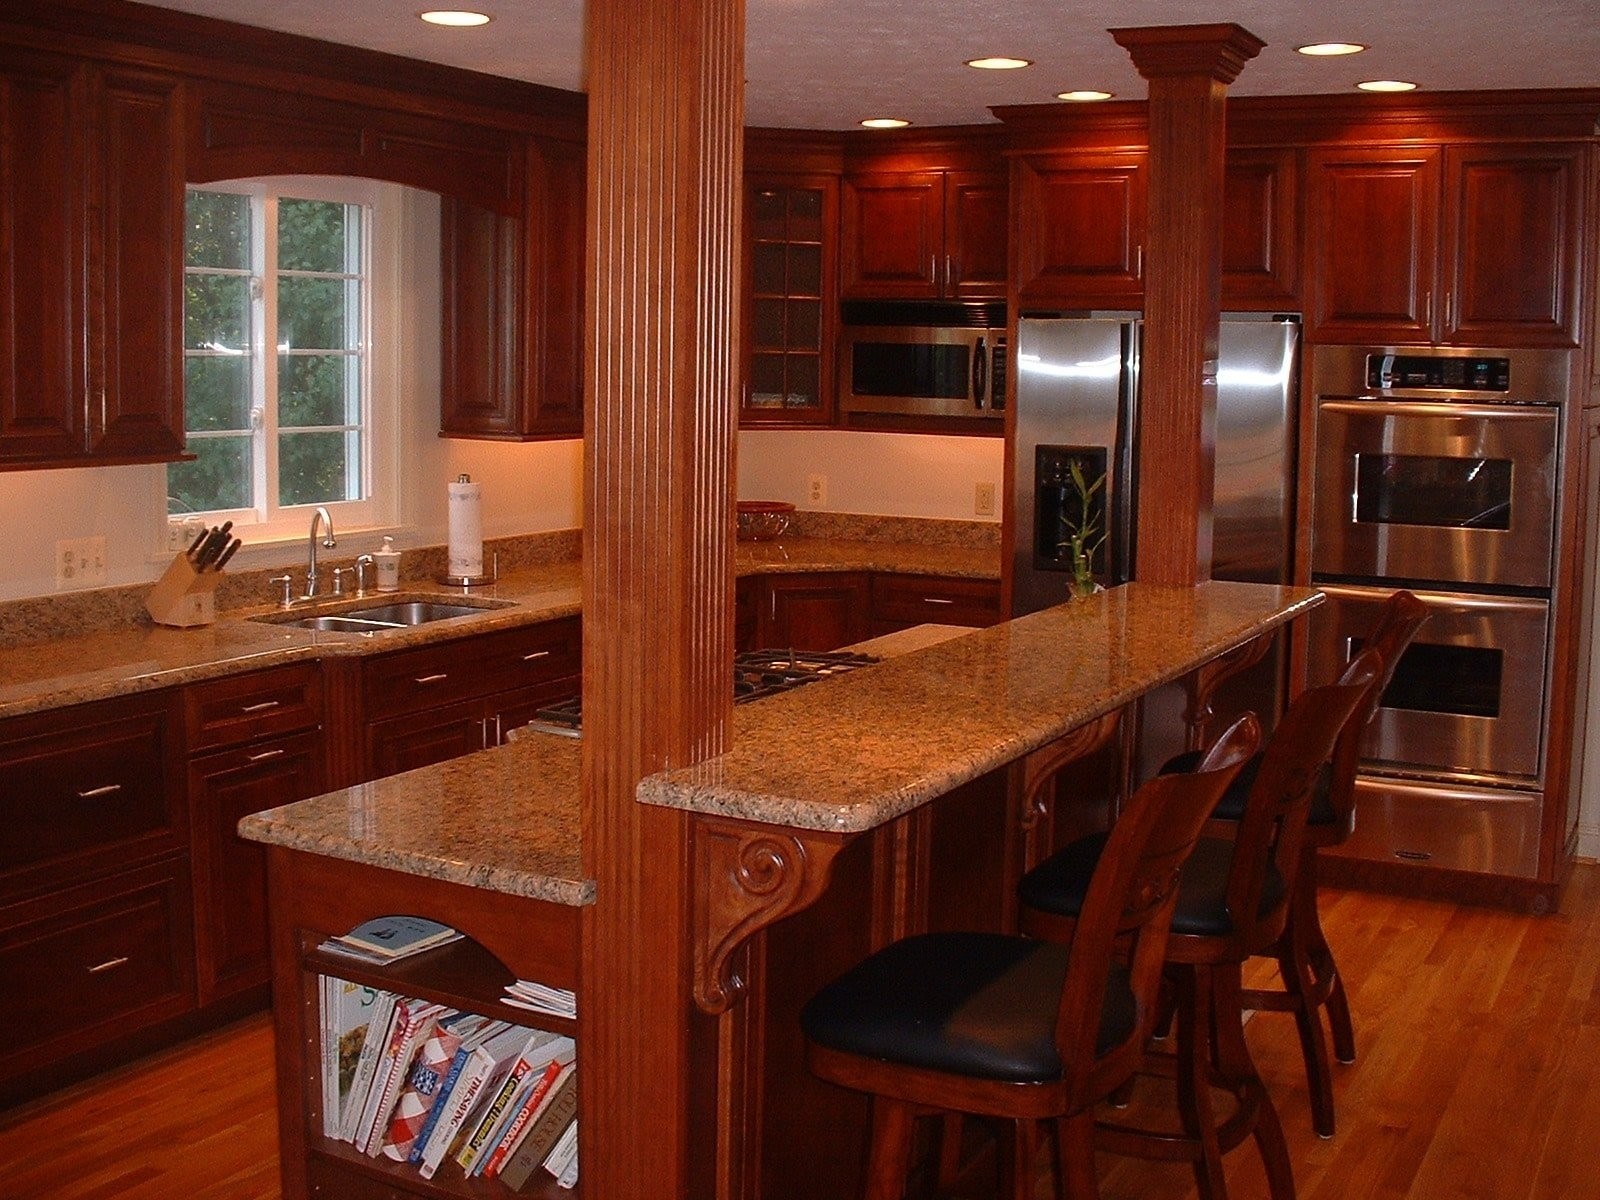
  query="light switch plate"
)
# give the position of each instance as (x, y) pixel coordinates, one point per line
(983, 500)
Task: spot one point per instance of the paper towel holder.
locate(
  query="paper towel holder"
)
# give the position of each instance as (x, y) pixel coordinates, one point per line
(472, 581)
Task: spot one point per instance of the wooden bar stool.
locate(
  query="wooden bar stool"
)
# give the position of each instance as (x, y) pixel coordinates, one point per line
(1009, 1027)
(1233, 901)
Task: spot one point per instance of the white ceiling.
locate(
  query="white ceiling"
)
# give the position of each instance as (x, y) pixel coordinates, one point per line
(825, 64)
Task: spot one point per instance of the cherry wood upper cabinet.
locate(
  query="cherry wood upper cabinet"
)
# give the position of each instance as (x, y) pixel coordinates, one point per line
(1511, 231)
(1261, 230)
(1079, 228)
(1472, 245)
(923, 235)
(90, 263)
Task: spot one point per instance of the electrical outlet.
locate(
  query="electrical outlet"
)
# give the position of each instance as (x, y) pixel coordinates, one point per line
(80, 562)
(983, 500)
(817, 490)
(181, 534)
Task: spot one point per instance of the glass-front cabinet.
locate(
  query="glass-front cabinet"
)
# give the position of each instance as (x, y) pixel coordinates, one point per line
(789, 292)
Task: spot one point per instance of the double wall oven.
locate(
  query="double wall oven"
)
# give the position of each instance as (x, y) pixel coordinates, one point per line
(1438, 469)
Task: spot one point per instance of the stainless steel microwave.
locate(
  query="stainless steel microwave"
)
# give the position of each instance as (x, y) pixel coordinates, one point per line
(924, 370)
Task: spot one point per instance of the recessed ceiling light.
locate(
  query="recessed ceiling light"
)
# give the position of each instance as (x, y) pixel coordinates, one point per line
(1330, 49)
(455, 18)
(998, 63)
(1387, 85)
(1083, 96)
(885, 123)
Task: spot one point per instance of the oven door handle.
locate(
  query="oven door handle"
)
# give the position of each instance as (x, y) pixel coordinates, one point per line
(1378, 407)
(1462, 601)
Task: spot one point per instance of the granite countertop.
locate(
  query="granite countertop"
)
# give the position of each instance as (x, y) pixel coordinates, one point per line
(98, 666)
(947, 706)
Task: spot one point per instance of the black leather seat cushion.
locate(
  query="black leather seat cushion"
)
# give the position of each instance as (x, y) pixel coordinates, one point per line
(1058, 885)
(1231, 806)
(974, 1004)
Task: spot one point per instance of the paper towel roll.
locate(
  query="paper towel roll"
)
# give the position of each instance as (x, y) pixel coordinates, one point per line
(466, 529)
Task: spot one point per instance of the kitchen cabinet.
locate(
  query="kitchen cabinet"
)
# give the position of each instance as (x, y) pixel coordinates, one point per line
(1470, 244)
(826, 610)
(1261, 225)
(439, 702)
(254, 742)
(791, 224)
(90, 263)
(814, 611)
(902, 601)
(924, 235)
(1079, 228)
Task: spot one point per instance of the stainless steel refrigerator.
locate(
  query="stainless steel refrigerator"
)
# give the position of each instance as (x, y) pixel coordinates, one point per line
(1077, 401)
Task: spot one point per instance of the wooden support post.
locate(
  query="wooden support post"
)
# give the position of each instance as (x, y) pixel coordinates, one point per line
(665, 158)
(1188, 68)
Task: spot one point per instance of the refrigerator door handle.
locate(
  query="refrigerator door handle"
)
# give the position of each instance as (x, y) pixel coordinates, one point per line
(1126, 498)
(980, 373)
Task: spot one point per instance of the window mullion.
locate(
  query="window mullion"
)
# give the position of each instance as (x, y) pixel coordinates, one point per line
(268, 438)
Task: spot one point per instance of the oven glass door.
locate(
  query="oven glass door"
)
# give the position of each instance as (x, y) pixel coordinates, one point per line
(1467, 697)
(1452, 492)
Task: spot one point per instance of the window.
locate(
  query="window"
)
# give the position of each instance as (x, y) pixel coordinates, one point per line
(280, 372)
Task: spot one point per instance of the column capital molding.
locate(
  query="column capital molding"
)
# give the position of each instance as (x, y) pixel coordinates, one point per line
(1215, 51)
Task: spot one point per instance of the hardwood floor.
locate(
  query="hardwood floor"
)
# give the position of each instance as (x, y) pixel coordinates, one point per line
(1479, 1079)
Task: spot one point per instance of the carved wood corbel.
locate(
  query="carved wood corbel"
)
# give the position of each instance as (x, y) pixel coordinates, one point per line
(1203, 682)
(1038, 772)
(746, 877)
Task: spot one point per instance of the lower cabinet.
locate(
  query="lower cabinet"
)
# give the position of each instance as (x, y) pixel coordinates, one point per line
(824, 610)
(814, 611)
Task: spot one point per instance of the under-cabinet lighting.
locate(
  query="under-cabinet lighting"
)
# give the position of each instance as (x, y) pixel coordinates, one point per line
(885, 123)
(455, 18)
(999, 63)
(1083, 95)
(1387, 85)
(1330, 49)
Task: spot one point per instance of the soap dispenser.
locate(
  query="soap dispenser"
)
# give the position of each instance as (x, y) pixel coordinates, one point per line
(388, 560)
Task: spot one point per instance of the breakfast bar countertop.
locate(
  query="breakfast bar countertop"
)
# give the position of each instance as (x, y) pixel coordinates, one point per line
(843, 755)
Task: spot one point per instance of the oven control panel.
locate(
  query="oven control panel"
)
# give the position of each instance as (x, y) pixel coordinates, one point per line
(1445, 372)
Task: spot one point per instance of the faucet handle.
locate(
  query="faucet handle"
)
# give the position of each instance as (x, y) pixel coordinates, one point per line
(286, 582)
(338, 580)
(363, 561)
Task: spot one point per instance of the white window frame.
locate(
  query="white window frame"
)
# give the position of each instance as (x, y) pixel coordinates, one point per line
(383, 237)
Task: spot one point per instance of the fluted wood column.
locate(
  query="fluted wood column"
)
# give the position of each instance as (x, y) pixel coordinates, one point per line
(665, 155)
(1188, 68)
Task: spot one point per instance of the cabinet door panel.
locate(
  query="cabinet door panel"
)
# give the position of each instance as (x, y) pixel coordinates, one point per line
(1080, 229)
(136, 405)
(1373, 223)
(558, 408)
(814, 612)
(1512, 221)
(975, 236)
(41, 258)
(893, 235)
(230, 874)
(481, 276)
(424, 738)
(1261, 230)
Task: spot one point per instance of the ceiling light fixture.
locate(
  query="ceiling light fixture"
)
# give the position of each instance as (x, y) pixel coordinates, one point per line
(885, 123)
(1330, 49)
(1387, 85)
(455, 18)
(999, 63)
(1083, 96)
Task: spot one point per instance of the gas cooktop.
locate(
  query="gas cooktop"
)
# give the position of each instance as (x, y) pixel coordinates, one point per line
(756, 673)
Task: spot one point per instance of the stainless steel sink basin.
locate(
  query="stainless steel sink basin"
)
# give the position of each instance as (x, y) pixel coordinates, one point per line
(381, 617)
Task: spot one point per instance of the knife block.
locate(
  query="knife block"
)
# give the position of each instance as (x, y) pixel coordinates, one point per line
(183, 597)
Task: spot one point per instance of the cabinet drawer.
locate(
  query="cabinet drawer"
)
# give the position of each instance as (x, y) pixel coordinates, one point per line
(96, 962)
(532, 655)
(228, 712)
(933, 599)
(413, 680)
(87, 788)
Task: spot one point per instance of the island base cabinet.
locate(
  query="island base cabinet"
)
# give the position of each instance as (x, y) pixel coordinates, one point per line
(507, 937)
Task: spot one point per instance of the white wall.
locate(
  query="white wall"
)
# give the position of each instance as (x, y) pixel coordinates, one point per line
(884, 474)
(527, 488)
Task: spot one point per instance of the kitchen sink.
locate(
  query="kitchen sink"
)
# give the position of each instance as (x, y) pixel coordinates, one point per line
(381, 617)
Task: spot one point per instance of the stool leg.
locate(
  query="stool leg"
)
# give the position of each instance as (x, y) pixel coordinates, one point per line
(889, 1161)
(1076, 1178)
(1300, 981)
(1329, 981)
(1017, 1154)
(1193, 994)
(949, 1152)
(1238, 1070)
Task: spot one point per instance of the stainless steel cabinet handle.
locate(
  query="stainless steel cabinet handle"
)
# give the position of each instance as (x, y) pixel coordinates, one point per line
(262, 707)
(109, 965)
(92, 793)
(263, 756)
(536, 654)
(499, 732)
(431, 678)
(936, 600)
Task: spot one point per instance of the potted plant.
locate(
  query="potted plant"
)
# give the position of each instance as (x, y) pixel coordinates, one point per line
(1083, 527)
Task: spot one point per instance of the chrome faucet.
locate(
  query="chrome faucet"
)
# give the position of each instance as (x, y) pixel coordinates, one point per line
(320, 517)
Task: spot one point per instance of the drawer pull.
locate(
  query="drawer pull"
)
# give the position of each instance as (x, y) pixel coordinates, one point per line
(937, 600)
(262, 707)
(263, 756)
(110, 964)
(536, 654)
(94, 793)
(431, 678)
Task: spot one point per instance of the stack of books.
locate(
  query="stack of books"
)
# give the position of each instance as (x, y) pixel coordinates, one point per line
(447, 1091)
(537, 997)
(389, 939)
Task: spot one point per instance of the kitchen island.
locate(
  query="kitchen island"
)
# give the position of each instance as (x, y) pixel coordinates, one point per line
(814, 840)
